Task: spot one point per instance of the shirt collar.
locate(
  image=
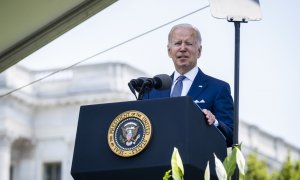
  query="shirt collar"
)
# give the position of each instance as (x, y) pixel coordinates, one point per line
(189, 75)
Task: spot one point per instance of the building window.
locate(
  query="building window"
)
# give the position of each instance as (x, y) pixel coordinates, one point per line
(52, 171)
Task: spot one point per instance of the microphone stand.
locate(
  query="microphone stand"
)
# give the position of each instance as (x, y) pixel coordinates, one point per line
(132, 90)
(142, 91)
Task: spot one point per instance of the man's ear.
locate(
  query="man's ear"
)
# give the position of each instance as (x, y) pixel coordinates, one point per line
(169, 49)
(200, 50)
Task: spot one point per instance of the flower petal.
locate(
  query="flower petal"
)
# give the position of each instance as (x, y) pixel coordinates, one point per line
(221, 172)
(207, 172)
(177, 166)
(240, 160)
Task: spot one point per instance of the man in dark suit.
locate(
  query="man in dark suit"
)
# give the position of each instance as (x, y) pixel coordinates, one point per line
(211, 94)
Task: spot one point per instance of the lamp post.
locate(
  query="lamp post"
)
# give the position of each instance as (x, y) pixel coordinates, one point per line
(238, 12)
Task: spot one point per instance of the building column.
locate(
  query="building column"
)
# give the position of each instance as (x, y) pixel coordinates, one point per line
(5, 150)
(67, 161)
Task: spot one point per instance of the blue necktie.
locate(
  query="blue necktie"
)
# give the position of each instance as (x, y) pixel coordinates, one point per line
(178, 87)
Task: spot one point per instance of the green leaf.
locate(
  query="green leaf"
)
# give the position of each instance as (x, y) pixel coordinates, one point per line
(230, 162)
(167, 175)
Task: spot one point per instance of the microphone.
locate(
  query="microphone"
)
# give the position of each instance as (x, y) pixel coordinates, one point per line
(160, 82)
(143, 84)
(137, 83)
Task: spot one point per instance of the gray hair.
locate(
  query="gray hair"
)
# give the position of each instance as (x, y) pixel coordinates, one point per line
(199, 40)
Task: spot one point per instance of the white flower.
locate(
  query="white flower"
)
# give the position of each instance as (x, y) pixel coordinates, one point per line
(240, 160)
(207, 172)
(177, 166)
(221, 172)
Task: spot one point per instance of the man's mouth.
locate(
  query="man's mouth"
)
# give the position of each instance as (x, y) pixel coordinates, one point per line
(182, 57)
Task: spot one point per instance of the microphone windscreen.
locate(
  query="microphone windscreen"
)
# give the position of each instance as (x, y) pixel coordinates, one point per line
(162, 81)
(137, 83)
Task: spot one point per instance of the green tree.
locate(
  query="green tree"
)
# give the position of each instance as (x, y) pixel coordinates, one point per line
(256, 169)
(297, 170)
(289, 170)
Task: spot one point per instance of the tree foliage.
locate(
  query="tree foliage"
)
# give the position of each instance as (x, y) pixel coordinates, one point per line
(258, 170)
(290, 170)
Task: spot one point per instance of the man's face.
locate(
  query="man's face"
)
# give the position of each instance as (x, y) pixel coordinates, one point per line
(184, 49)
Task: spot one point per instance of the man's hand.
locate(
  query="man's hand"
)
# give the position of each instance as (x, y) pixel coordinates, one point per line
(209, 116)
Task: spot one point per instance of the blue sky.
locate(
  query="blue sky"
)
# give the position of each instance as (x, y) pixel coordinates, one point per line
(269, 68)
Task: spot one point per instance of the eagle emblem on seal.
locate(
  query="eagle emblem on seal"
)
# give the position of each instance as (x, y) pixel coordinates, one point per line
(129, 133)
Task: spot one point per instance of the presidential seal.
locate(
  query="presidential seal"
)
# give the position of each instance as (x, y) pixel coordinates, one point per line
(129, 133)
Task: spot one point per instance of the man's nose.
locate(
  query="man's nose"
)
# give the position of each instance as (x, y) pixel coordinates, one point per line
(182, 47)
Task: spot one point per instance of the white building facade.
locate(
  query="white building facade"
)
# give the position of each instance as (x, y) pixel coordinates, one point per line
(38, 123)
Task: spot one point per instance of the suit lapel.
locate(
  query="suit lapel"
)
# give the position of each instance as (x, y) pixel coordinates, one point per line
(199, 84)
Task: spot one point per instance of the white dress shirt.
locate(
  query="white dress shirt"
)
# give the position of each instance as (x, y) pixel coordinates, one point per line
(187, 82)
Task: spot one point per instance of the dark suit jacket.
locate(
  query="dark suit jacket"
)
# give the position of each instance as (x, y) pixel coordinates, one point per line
(212, 94)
